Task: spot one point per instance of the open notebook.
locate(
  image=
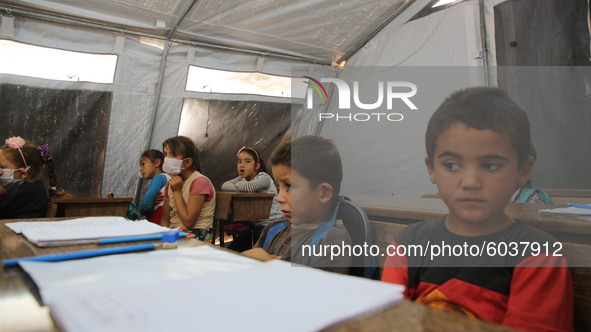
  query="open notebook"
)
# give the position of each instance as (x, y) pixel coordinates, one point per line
(570, 212)
(202, 288)
(82, 230)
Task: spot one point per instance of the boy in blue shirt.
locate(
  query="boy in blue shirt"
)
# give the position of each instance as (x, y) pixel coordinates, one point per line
(478, 153)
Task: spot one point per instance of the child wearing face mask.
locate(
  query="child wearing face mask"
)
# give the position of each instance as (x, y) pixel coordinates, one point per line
(252, 177)
(151, 169)
(22, 191)
(189, 196)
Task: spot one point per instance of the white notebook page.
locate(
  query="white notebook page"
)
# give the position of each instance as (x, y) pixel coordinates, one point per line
(275, 296)
(80, 230)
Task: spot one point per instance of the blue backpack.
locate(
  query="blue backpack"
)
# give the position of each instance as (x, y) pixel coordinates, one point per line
(527, 191)
(319, 235)
(357, 224)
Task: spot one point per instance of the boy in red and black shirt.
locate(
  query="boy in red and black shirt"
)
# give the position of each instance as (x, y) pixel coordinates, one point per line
(477, 260)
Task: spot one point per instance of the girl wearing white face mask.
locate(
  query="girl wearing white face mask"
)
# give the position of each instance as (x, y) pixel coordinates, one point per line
(189, 196)
(22, 192)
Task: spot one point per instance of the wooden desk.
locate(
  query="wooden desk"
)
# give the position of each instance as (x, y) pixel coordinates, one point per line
(559, 192)
(238, 206)
(560, 196)
(92, 206)
(409, 316)
(231, 207)
(21, 310)
(410, 209)
(19, 299)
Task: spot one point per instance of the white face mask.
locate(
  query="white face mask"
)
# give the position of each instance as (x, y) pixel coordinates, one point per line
(172, 166)
(7, 179)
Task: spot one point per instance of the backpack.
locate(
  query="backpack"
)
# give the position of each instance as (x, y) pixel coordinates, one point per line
(363, 266)
(527, 191)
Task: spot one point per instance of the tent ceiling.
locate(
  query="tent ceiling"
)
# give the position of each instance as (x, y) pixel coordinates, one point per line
(317, 30)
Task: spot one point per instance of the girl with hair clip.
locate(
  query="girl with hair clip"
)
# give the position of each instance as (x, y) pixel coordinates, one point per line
(252, 177)
(189, 196)
(151, 168)
(22, 192)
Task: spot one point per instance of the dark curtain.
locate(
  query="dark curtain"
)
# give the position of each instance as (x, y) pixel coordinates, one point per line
(74, 123)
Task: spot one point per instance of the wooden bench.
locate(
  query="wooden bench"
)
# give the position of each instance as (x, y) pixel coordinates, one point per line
(578, 256)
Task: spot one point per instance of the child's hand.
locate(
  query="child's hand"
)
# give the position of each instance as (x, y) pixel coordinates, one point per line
(176, 183)
(260, 254)
(2, 191)
(158, 199)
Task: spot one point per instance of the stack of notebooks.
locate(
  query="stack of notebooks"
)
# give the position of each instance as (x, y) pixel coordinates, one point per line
(578, 211)
(82, 230)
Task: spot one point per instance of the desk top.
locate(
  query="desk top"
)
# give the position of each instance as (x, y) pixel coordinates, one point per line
(432, 208)
(18, 295)
(92, 200)
(21, 310)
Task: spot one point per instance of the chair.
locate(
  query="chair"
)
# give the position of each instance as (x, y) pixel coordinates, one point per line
(240, 208)
(357, 224)
(51, 210)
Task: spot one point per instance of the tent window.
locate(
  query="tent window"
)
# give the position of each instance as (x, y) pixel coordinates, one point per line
(220, 81)
(42, 62)
(435, 6)
(74, 123)
(259, 124)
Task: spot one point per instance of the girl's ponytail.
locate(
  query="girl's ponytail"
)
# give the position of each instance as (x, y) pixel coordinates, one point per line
(53, 191)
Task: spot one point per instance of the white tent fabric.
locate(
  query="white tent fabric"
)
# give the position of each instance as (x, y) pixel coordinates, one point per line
(135, 87)
(288, 38)
(319, 30)
(446, 38)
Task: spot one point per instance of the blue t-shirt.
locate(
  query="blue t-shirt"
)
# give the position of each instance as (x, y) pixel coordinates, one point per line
(147, 204)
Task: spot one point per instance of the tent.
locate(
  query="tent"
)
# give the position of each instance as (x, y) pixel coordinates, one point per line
(537, 50)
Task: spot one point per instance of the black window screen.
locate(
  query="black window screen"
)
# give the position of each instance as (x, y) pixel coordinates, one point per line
(74, 123)
(220, 127)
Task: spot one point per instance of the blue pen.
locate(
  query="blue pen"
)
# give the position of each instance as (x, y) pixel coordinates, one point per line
(81, 254)
(582, 206)
(135, 238)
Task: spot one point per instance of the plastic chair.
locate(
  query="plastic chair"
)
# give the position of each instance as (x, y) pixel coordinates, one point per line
(357, 223)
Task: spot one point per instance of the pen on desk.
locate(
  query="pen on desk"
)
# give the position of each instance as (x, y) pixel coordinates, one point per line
(135, 238)
(582, 206)
(81, 254)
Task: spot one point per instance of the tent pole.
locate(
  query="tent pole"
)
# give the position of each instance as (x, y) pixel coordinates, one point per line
(156, 106)
(488, 81)
(154, 113)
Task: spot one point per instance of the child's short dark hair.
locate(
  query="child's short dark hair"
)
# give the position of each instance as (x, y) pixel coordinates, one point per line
(154, 155)
(315, 158)
(482, 108)
(184, 146)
